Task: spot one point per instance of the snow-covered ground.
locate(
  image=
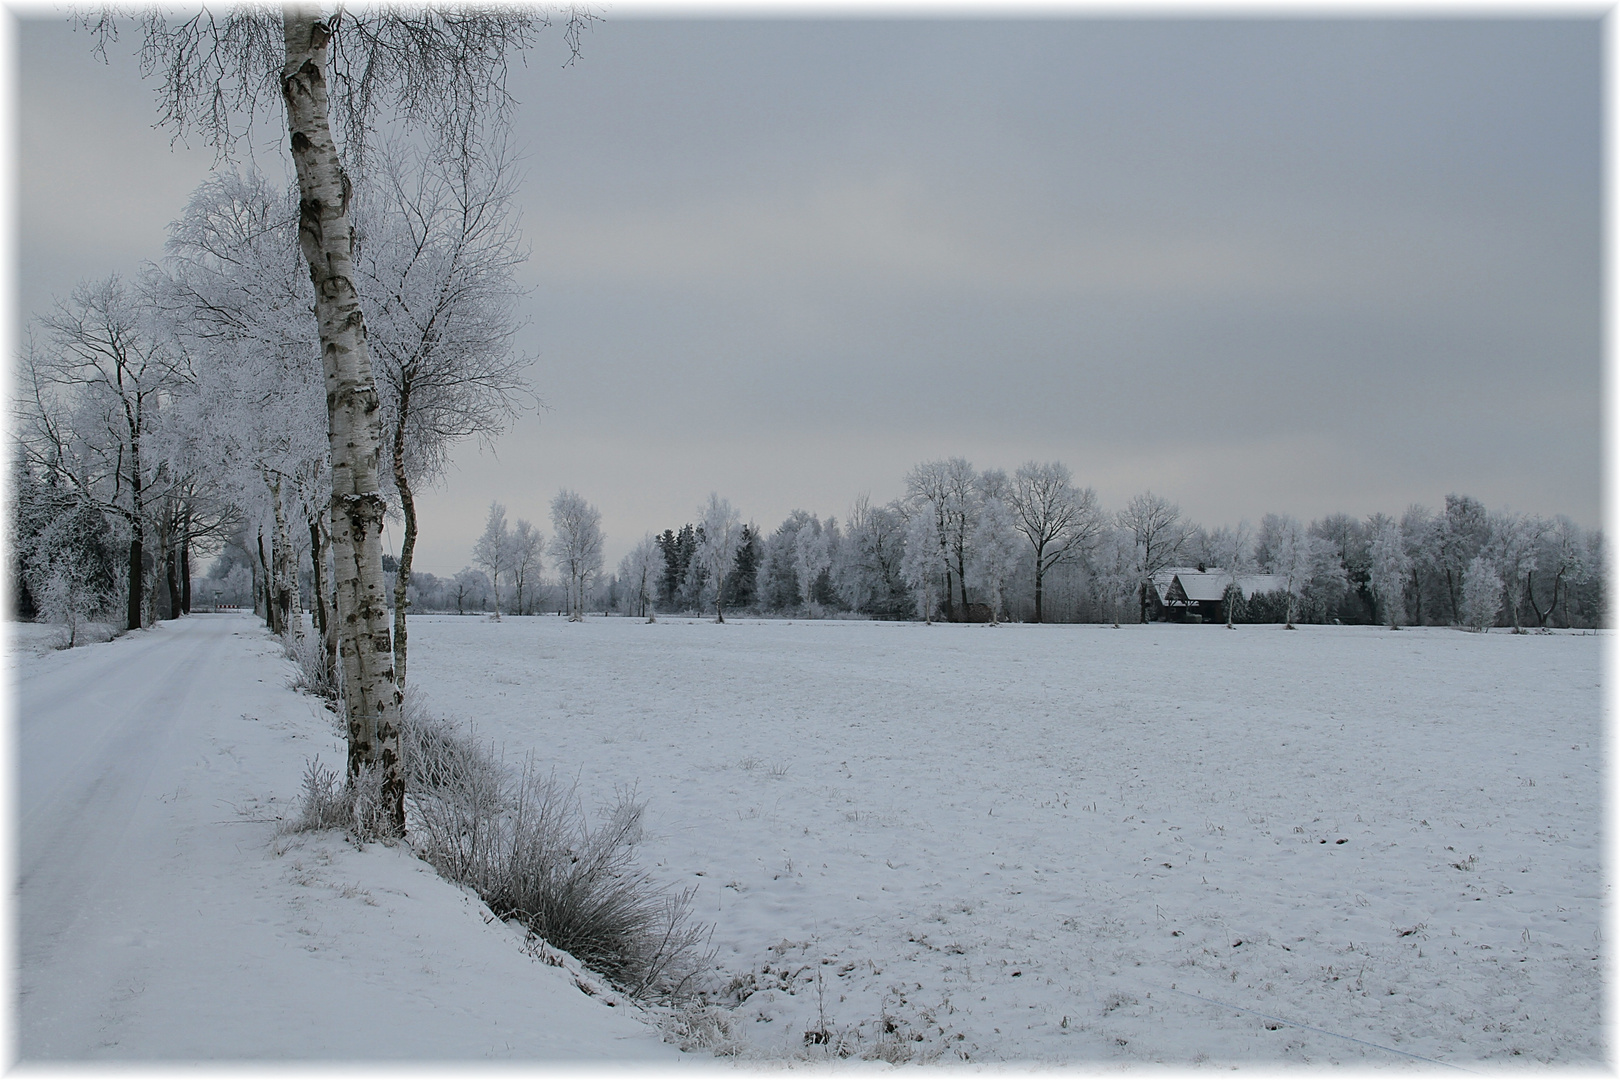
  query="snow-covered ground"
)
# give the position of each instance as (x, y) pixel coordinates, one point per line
(1078, 844)
(160, 916)
(1062, 844)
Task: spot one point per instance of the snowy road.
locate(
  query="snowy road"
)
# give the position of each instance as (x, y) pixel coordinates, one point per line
(159, 915)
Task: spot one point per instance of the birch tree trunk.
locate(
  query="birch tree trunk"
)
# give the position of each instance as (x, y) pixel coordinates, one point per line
(371, 698)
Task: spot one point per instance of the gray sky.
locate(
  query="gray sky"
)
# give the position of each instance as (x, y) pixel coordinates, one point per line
(1253, 265)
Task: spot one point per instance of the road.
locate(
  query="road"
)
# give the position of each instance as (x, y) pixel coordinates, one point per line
(162, 916)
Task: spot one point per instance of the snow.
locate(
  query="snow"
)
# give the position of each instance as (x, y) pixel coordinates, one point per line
(1078, 844)
(1017, 843)
(161, 917)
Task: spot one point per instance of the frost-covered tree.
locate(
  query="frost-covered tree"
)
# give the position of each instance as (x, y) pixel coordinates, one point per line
(53, 528)
(235, 287)
(867, 574)
(1461, 533)
(776, 581)
(1348, 538)
(1481, 594)
(638, 575)
(721, 530)
(527, 544)
(493, 552)
(1306, 564)
(1512, 548)
(1389, 568)
(1158, 535)
(952, 492)
(471, 590)
(576, 546)
(1059, 520)
(1419, 534)
(438, 253)
(1116, 574)
(97, 383)
(1233, 551)
(232, 284)
(812, 557)
(996, 547)
(1561, 563)
(924, 565)
(740, 586)
(679, 550)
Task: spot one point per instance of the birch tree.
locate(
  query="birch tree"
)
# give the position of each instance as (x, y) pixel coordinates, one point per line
(638, 573)
(1232, 550)
(1481, 594)
(438, 69)
(950, 491)
(576, 545)
(493, 551)
(1115, 571)
(527, 544)
(233, 287)
(812, 555)
(1512, 548)
(1305, 563)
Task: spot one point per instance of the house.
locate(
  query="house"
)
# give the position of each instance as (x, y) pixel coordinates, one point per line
(1195, 593)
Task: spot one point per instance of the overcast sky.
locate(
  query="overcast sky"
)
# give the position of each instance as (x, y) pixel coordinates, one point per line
(1253, 265)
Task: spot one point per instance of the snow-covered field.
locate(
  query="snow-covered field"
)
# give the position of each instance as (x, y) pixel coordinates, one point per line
(1078, 844)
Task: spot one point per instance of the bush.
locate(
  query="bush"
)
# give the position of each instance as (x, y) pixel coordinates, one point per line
(323, 804)
(330, 802)
(523, 844)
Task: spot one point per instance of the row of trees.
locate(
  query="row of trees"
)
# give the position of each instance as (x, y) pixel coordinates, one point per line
(305, 353)
(969, 545)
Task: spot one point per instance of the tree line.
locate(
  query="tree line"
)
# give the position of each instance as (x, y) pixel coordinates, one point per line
(305, 353)
(969, 545)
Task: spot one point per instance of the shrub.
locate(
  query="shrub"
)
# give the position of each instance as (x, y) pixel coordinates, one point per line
(332, 802)
(523, 844)
(323, 803)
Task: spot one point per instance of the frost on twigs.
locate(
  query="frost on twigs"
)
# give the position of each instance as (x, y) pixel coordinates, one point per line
(327, 801)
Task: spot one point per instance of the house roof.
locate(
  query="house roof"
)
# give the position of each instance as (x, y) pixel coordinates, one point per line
(1210, 584)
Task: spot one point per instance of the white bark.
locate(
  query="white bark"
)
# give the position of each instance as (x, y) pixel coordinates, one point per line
(371, 698)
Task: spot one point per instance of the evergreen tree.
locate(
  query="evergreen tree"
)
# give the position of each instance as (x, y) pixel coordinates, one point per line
(741, 585)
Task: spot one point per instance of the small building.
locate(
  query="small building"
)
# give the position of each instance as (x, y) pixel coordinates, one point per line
(1196, 593)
